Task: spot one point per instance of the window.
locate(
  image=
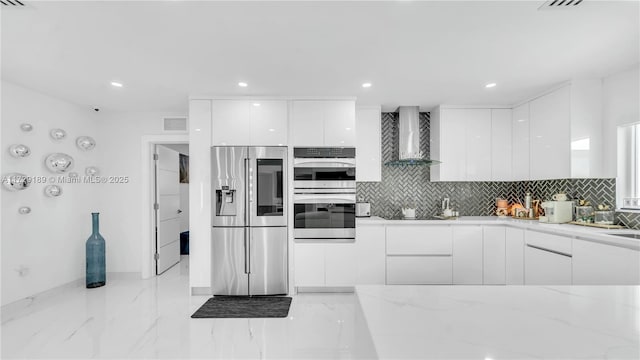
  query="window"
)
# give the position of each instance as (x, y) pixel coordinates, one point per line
(628, 182)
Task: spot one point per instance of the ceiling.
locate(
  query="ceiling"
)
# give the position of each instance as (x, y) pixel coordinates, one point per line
(414, 53)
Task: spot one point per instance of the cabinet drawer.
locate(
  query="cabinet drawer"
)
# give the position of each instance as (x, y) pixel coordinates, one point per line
(419, 240)
(557, 243)
(546, 268)
(418, 270)
(600, 264)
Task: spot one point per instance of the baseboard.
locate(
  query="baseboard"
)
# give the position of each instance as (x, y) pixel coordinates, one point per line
(122, 276)
(324, 289)
(17, 307)
(201, 290)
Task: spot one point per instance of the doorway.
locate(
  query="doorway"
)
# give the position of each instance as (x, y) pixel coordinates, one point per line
(170, 234)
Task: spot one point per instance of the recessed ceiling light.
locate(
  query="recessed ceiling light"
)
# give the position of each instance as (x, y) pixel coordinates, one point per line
(256, 104)
(116, 84)
(347, 129)
(366, 85)
(272, 130)
(490, 85)
(243, 84)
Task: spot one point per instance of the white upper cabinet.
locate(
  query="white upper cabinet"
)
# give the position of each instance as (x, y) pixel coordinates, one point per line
(307, 123)
(478, 142)
(550, 151)
(565, 134)
(368, 137)
(246, 122)
(586, 129)
(340, 123)
(231, 121)
(520, 142)
(323, 123)
(501, 150)
(469, 146)
(269, 122)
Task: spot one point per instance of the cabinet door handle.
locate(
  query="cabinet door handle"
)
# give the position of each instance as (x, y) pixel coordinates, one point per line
(551, 251)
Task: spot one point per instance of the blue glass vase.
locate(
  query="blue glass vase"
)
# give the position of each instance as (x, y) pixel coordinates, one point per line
(96, 267)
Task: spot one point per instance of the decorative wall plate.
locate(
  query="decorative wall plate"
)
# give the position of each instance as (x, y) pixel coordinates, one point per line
(59, 163)
(85, 143)
(53, 190)
(57, 134)
(74, 175)
(19, 150)
(24, 210)
(15, 181)
(91, 171)
(26, 127)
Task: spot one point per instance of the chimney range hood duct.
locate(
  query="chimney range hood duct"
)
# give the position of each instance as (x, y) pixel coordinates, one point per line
(409, 139)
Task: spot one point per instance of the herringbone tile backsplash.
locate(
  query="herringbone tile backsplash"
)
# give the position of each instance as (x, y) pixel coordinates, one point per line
(410, 185)
(628, 219)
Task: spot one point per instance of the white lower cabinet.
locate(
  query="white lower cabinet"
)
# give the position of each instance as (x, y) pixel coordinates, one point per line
(325, 265)
(418, 240)
(370, 254)
(547, 259)
(514, 256)
(340, 264)
(493, 255)
(419, 270)
(599, 264)
(467, 255)
(309, 264)
(462, 255)
(419, 254)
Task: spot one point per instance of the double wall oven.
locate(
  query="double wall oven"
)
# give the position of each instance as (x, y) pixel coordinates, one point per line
(324, 198)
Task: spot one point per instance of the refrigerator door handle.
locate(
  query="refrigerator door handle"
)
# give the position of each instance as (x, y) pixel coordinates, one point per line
(246, 250)
(247, 216)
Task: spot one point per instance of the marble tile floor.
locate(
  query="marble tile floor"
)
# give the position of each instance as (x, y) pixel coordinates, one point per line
(133, 318)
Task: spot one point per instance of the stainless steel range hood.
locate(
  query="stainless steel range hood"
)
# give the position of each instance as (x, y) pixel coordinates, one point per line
(409, 139)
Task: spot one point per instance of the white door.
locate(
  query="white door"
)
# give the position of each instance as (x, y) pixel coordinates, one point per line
(167, 213)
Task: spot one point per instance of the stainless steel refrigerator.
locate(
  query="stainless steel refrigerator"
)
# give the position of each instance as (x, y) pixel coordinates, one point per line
(249, 237)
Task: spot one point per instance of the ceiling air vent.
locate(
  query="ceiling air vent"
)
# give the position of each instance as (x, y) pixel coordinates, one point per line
(560, 4)
(12, 3)
(174, 123)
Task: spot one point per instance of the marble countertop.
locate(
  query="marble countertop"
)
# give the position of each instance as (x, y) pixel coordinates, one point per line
(502, 322)
(580, 232)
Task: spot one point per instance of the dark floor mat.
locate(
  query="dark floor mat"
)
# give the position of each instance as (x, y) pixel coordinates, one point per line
(244, 307)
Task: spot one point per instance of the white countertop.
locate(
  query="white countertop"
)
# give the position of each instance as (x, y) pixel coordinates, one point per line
(502, 322)
(577, 231)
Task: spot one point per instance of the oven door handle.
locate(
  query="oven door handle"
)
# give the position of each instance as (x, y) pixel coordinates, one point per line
(324, 163)
(319, 199)
(324, 240)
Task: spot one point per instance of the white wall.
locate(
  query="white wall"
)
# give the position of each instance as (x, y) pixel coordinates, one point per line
(621, 105)
(122, 210)
(45, 248)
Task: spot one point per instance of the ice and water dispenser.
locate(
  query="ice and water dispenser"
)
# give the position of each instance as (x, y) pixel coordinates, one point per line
(226, 201)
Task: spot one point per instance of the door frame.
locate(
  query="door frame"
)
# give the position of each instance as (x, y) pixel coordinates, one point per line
(148, 144)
